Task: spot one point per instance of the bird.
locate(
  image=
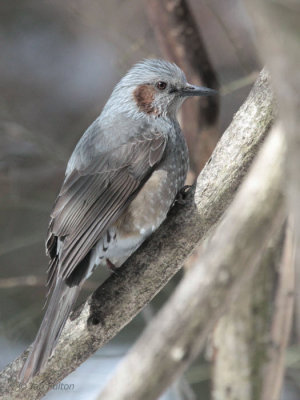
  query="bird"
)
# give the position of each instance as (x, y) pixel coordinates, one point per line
(120, 182)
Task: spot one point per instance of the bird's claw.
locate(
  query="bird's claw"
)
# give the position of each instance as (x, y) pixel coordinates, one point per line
(181, 197)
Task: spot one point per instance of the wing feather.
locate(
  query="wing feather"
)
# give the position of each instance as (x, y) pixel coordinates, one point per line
(94, 196)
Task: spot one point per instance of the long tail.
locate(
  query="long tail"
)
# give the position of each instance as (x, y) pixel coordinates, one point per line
(59, 307)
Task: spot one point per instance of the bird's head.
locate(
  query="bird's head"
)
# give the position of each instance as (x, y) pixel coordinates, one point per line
(156, 88)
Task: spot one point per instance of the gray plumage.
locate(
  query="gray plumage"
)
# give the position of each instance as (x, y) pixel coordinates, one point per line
(120, 182)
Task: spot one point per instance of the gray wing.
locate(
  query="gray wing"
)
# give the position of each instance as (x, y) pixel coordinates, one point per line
(93, 197)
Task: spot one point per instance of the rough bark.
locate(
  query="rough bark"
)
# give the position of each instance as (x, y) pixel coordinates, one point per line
(180, 41)
(250, 340)
(122, 296)
(242, 336)
(281, 322)
(220, 271)
(278, 32)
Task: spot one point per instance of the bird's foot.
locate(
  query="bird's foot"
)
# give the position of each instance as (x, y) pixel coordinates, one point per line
(181, 197)
(111, 266)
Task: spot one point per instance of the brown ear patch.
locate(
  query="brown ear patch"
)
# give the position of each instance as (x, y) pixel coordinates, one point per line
(144, 96)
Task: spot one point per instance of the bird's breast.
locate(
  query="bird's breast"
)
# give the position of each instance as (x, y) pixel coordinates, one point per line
(149, 208)
(151, 205)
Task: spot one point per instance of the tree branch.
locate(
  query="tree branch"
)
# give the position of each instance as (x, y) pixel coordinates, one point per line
(242, 336)
(278, 29)
(250, 340)
(219, 272)
(282, 321)
(122, 296)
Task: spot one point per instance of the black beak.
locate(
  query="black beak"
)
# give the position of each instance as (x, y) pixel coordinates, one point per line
(191, 90)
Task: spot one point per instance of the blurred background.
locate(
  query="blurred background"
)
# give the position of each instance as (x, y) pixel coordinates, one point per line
(59, 63)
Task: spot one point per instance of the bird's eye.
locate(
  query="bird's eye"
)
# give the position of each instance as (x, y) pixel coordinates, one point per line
(161, 85)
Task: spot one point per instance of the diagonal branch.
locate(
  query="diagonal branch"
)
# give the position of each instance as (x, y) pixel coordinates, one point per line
(219, 272)
(122, 296)
(276, 24)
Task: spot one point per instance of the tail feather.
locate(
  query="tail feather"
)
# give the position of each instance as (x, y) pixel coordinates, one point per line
(60, 305)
